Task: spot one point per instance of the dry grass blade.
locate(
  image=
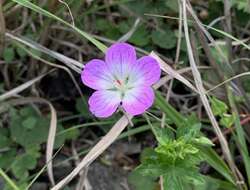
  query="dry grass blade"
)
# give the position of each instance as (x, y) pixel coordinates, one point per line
(228, 80)
(102, 145)
(22, 87)
(165, 67)
(126, 37)
(202, 93)
(167, 78)
(73, 64)
(57, 66)
(208, 35)
(50, 142)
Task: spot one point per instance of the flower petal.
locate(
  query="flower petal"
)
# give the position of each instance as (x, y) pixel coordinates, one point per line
(103, 103)
(138, 100)
(150, 69)
(96, 75)
(119, 57)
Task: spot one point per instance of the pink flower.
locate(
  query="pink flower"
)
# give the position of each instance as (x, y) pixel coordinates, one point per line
(121, 80)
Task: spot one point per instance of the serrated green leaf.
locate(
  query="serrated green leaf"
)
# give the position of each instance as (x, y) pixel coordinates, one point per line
(173, 181)
(227, 120)
(163, 135)
(188, 132)
(218, 106)
(203, 141)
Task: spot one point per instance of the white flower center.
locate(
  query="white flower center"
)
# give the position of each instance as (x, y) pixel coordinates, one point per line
(122, 85)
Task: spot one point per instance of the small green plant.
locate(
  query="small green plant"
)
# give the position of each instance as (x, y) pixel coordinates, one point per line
(176, 158)
(21, 142)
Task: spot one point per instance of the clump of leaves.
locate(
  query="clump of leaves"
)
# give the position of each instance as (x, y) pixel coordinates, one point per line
(176, 157)
(21, 142)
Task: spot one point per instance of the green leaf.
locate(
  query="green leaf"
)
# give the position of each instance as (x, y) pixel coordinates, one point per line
(7, 158)
(109, 29)
(29, 123)
(22, 164)
(227, 120)
(173, 181)
(4, 138)
(140, 182)
(8, 54)
(214, 184)
(140, 37)
(204, 141)
(242, 5)
(218, 106)
(164, 39)
(176, 149)
(28, 128)
(4, 141)
(163, 135)
(25, 136)
(190, 131)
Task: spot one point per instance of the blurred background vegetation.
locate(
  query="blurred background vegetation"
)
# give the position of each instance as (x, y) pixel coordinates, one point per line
(29, 43)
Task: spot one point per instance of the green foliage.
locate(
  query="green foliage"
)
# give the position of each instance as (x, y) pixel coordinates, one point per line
(179, 152)
(141, 182)
(175, 159)
(220, 109)
(21, 52)
(172, 5)
(22, 141)
(27, 127)
(8, 54)
(23, 163)
(107, 28)
(242, 5)
(164, 39)
(140, 37)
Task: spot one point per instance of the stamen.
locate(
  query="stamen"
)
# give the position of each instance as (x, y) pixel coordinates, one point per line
(119, 82)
